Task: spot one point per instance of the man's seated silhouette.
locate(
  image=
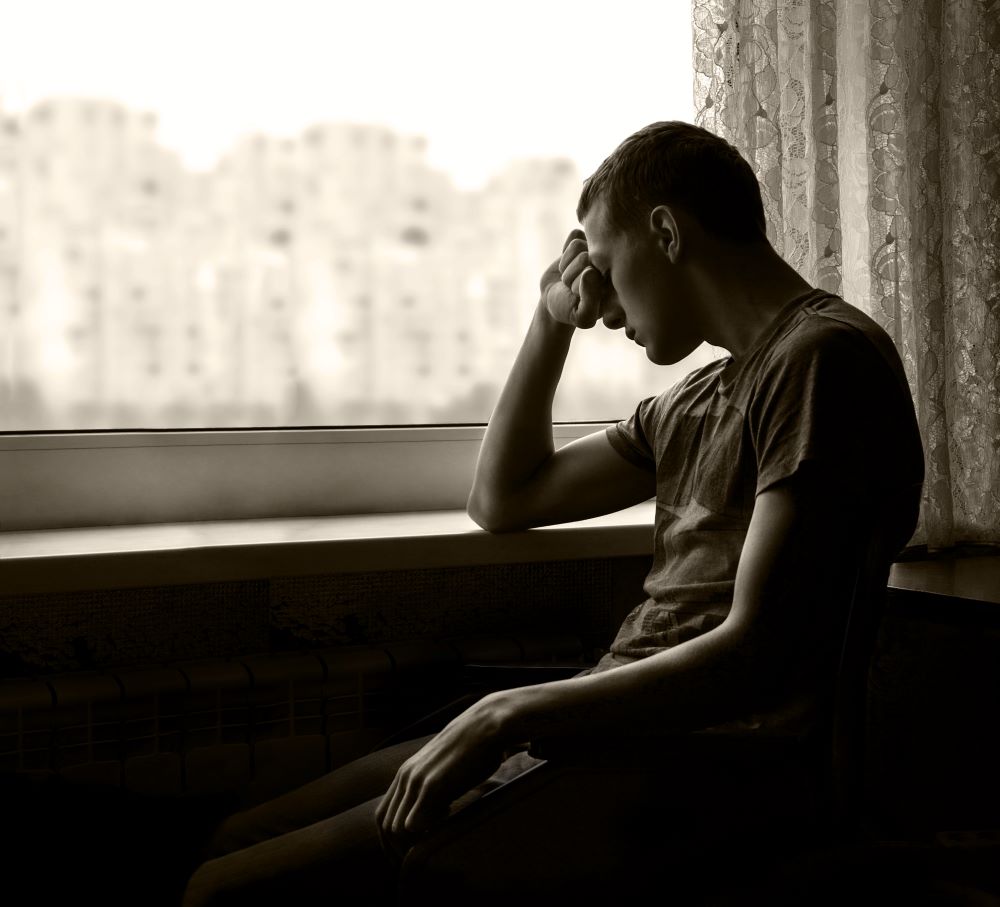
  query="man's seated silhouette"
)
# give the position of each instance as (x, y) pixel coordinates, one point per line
(764, 465)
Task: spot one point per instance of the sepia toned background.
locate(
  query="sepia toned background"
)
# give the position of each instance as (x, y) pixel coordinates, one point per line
(287, 217)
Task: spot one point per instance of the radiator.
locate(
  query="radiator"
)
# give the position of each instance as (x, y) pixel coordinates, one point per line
(260, 724)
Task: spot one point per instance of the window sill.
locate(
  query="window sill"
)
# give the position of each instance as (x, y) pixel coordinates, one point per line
(971, 579)
(60, 560)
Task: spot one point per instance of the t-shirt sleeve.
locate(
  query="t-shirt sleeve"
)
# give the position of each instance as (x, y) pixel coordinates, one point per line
(631, 436)
(829, 408)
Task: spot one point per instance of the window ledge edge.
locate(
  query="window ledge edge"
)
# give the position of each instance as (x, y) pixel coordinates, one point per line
(66, 560)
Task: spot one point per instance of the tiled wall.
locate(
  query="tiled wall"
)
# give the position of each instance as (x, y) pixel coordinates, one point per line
(259, 724)
(259, 686)
(253, 688)
(45, 633)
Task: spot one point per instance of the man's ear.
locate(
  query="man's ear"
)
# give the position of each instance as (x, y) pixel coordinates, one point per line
(666, 229)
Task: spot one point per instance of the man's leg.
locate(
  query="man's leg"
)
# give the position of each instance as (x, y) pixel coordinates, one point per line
(319, 835)
(337, 860)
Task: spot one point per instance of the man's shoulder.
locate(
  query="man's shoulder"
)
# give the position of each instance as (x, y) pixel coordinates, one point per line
(828, 319)
(830, 329)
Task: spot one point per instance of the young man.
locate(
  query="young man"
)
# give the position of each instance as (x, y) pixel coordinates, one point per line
(769, 468)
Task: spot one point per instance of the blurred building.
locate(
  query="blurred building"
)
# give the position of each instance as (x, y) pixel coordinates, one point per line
(331, 277)
(97, 310)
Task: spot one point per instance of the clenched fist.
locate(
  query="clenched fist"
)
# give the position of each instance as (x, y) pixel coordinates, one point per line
(571, 286)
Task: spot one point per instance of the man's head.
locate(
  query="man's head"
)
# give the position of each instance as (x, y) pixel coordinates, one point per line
(674, 163)
(670, 200)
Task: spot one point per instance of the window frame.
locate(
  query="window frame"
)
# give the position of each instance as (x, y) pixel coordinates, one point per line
(61, 480)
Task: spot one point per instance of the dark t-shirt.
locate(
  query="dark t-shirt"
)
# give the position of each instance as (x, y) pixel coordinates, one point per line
(822, 392)
(821, 396)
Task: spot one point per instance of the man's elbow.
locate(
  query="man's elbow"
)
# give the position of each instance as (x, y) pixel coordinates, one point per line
(769, 667)
(491, 514)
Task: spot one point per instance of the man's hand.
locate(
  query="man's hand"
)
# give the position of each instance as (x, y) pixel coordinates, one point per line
(572, 286)
(464, 754)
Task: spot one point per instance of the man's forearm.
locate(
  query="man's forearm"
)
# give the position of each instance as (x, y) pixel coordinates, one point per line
(518, 439)
(705, 681)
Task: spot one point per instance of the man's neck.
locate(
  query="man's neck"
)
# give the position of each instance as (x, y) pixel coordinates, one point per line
(740, 291)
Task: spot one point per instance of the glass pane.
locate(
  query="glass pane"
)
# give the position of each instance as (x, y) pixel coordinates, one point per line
(236, 214)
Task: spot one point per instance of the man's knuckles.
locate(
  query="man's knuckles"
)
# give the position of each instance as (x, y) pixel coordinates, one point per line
(591, 284)
(587, 315)
(588, 284)
(573, 251)
(574, 270)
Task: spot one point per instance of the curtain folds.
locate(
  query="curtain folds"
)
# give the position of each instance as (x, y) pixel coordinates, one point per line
(874, 129)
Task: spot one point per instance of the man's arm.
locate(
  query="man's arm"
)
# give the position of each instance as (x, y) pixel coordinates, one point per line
(521, 480)
(781, 604)
(787, 567)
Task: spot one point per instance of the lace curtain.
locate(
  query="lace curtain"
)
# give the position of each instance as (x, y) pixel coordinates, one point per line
(874, 129)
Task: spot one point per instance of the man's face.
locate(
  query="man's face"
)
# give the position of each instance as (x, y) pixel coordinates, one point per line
(643, 289)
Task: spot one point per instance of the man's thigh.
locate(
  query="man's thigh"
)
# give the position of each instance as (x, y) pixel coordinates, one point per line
(336, 792)
(337, 860)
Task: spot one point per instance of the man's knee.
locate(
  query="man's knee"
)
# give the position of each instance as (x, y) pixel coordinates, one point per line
(230, 880)
(210, 886)
(229, 836)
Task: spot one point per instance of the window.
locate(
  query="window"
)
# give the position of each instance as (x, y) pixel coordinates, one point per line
(290, 224)
(145, 374)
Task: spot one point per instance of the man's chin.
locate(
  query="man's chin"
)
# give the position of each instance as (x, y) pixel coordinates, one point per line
(668, 357)
(659, 359)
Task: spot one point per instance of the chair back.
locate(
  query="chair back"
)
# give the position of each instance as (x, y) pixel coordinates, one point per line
(890, 528)
(513, 825)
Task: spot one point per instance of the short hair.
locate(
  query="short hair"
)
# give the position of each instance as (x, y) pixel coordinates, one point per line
(676, 163)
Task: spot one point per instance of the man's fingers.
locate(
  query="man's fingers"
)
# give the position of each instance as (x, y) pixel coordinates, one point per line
(571, 276)
(574, 269)
(382, 816)
(381, 808)
(591, 284)
(390, 805)
(588, 283)
(561, 302)
(403, 806)
(574, 234)
(563, 295)
(573, 251)
(414, 820)
(588, 287)
(581, 311)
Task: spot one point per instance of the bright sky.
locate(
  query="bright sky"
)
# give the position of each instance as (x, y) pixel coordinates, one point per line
(485, 82)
